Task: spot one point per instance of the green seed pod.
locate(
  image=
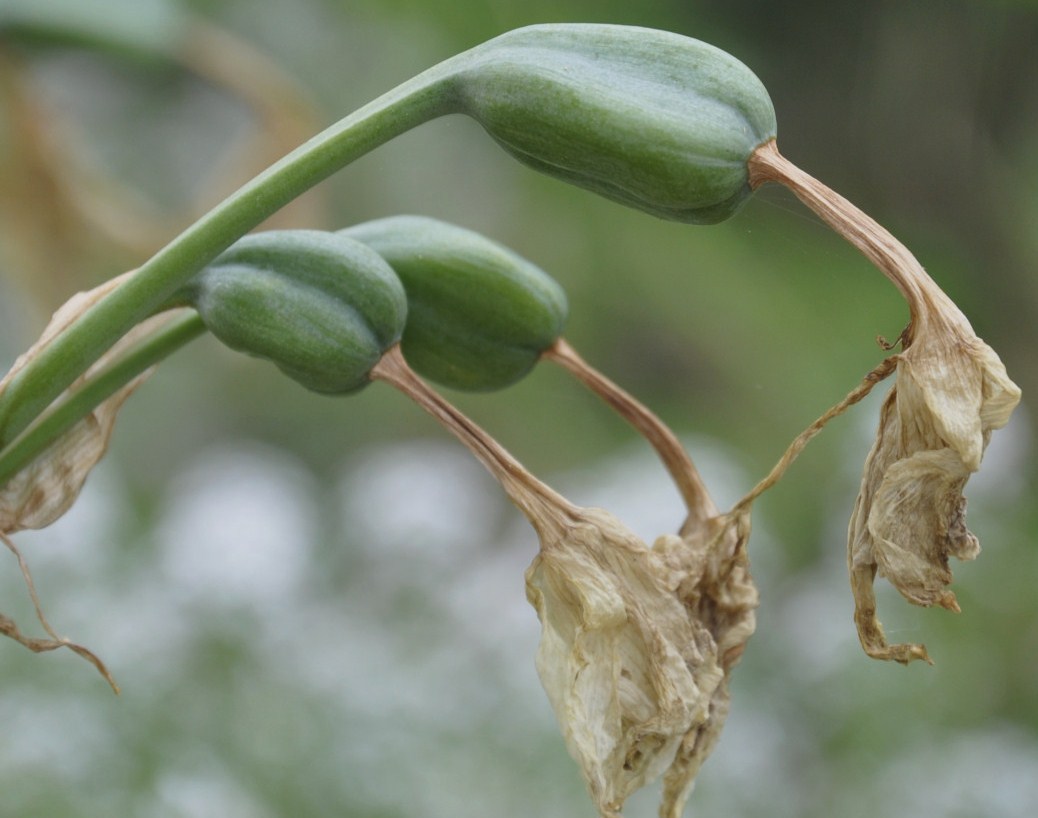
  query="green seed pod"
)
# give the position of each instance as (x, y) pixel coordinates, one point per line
(322, 307)
(479, 316)
(654, 120)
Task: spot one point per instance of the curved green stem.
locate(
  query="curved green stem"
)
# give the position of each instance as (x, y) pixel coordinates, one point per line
(98, 388)
(422, 98)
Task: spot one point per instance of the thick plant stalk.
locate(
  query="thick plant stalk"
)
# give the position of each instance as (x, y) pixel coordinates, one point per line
(39, 383)
(173, 334)
(595, 105)
(42, 473)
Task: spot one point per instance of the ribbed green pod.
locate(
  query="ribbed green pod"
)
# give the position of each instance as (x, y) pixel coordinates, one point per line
(479, 315)
(322, 307)
(652, 119)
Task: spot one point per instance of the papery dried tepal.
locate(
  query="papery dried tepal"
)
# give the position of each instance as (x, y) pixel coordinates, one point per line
(47, 487)
(636, 645)
(636, 642)
(43, 490)
(951, 392)
(910, 517)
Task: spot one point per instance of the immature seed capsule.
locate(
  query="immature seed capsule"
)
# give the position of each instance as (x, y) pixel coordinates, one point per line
(322, 307)
(479, 316)
(652, 119)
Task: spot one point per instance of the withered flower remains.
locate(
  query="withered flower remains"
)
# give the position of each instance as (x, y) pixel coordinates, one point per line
(636, 642)
(951, 392)
(636, 645)
(910, 517)
(44, 489)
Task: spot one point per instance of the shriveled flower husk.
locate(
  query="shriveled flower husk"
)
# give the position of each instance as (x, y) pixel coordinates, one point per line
(636, 646)
(43, 491)
(46, 488)
(951, 392)
(910, 516)
(637, 642)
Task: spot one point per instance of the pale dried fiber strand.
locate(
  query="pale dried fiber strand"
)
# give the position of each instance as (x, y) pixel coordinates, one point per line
(859, 393)
(950, 393)
(10, 629)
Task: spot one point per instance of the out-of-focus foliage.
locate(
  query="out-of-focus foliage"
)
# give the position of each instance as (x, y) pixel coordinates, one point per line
(315, 606)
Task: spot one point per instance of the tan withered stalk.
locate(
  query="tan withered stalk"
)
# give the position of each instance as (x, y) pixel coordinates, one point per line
(10, 629)
(674, 456)
(874, 241)
(534, 498)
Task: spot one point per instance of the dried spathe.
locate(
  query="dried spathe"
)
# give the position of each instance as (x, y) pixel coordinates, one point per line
(43, 491)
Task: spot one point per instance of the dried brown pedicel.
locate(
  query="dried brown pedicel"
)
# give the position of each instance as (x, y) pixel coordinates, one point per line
(636, 642)
(951, 392)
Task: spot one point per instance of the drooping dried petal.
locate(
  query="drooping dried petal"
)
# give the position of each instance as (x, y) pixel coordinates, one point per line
(951, 392)
(626, 671)
(636, 645)
(44, 490)
(918, 497)
(910, 517)
(719, 593)
(958, 381)
(636, 642)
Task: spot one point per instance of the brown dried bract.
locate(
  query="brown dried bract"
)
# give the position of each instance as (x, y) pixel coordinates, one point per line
(47, 488)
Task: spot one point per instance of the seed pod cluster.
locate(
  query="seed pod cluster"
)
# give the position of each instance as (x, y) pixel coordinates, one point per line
(479, 315)
(322, 307)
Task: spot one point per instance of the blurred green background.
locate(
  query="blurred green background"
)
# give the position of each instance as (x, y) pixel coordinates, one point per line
(315, 606)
